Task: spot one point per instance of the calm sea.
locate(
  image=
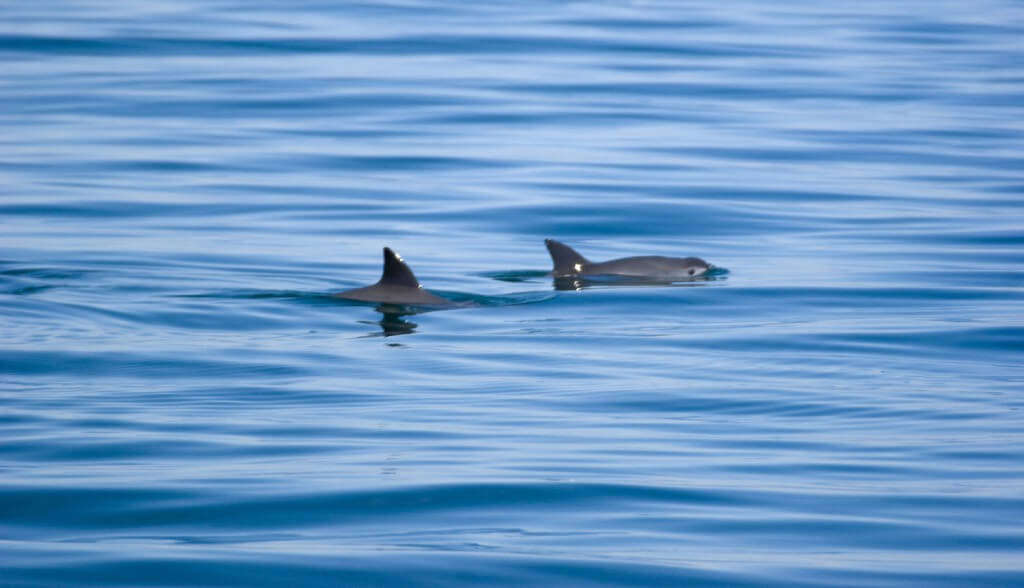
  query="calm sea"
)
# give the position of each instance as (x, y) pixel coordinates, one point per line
(184, 184)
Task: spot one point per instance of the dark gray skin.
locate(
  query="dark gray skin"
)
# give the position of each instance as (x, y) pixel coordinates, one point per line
(569, 263)
(397, 285)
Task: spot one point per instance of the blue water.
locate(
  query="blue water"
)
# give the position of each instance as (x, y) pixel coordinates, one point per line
(184, 184)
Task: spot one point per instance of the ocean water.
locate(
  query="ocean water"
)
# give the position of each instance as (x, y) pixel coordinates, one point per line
(184, 184)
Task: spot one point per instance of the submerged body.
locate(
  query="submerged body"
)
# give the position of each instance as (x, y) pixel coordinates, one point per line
(397, 285)
(569, 263)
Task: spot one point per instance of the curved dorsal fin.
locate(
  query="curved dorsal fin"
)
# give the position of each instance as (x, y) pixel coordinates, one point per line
(396, 273)
(566, 259)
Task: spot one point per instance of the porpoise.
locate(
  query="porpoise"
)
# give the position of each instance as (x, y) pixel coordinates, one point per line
(569, 263)
(397, 285)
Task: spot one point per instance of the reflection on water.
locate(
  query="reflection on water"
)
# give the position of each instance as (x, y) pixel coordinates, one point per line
(582, 282)
(392, 323)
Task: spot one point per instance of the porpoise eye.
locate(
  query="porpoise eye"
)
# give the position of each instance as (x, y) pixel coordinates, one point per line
(692, 270)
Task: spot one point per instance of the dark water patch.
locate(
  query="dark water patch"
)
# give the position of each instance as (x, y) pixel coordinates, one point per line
(280, 107)
(634, 23)
(447, 44)
(131, 509)
(28, 281)
(995, 236)
(358, 565)
(388, 163)
(97, 451)
(26, 504)
(953, 28)
(122, 209)
(122, 364)
(24, 290)
(988, 344)
(1007, 188)
(43, 273)
(575, 116)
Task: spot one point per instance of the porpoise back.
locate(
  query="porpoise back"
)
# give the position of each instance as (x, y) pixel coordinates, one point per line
(397, 285)
(569, 263)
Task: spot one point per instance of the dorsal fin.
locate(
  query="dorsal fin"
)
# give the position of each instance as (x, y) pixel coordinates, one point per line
(566, 260)
(396, 273)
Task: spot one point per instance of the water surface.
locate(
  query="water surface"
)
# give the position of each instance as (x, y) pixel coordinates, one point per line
(183, 185)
